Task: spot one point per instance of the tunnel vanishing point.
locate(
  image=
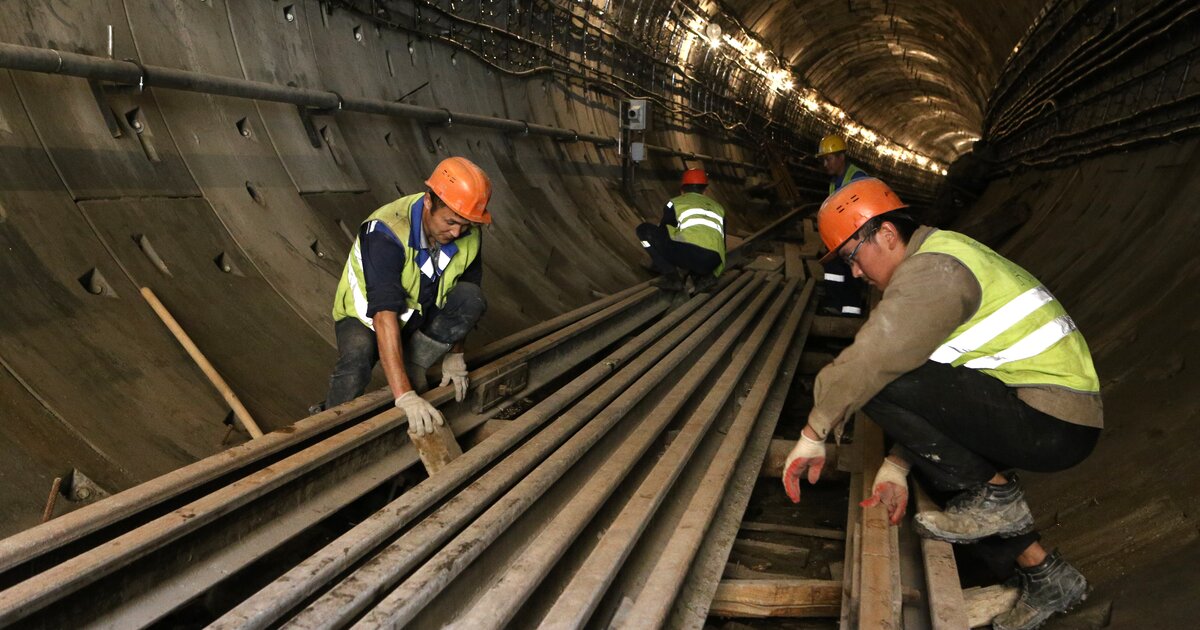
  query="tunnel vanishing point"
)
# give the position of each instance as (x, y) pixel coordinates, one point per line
(166, 460)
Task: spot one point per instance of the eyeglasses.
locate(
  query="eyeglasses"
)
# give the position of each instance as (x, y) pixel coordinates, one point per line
(849, 258)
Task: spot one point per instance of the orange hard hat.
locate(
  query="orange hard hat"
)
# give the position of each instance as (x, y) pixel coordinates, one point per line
(464, 187)
(849, 208)
(694, 176)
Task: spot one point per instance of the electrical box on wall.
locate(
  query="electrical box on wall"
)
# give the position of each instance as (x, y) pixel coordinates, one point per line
(637, 114)
(637, 151)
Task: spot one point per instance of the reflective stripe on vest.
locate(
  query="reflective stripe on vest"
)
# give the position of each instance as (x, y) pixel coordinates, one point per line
(701, 217)
(1020, 334)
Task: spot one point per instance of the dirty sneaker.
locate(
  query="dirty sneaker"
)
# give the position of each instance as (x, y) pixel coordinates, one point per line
(978, 512)
(1054, 586)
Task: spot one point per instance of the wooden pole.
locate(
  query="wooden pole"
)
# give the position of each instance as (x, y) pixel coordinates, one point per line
(48, 513)
(231, 399)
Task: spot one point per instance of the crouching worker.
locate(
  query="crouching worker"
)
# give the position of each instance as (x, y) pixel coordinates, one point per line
(973, 369)
(689, 242)
(410, 292)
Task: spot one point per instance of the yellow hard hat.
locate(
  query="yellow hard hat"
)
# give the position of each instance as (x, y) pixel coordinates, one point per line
(831, 144)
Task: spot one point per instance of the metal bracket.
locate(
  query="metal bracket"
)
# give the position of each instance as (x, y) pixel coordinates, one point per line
(496, 389)
(429, 143)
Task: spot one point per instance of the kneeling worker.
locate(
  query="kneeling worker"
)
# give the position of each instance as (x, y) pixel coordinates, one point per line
(690, 239)
(410, 292)
(972, 368)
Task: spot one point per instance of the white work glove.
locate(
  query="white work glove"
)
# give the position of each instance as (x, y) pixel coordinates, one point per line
(454, 369)
(890, 489)
(808, 454)
(422, 415)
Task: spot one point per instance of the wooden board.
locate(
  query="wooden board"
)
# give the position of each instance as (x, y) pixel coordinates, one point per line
(777, 598)
(947, 607)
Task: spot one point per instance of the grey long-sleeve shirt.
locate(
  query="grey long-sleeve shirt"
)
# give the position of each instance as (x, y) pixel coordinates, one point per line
(927, 298)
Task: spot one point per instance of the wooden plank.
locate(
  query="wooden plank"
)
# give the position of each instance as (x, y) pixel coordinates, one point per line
(836, 327)
(436, 449)
(793, 263)
(735, 571)
(879, 608)
(815, 532)
(777, 598)
(984, 603)
(797, 556)
(947, 607)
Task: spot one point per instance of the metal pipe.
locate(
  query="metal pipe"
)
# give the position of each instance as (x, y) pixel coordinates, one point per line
(50, 61)
(269, 604)
(434, 575)
(655, 600)
(497, 606)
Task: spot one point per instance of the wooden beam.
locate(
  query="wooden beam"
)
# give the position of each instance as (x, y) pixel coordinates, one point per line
(947, 607)
(797, 556)
(984, 603)
(436, 449)
(815, 532)
(879, 606)
(793, 263)
(777, 598)
(836, 327)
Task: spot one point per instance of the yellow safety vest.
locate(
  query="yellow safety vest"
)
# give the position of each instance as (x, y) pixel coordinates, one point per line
(1021, 334)
(351, 298)
(700, 221)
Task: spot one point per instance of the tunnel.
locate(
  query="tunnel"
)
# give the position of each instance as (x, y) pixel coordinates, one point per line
(215, 158)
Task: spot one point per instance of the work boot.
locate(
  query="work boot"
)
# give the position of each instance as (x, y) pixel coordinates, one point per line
(420, 352)
(1054, 586)
(669, 281)
(704, 283)
(978, 512)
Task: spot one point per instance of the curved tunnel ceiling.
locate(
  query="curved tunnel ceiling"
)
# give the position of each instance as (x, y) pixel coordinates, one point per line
(919, 71)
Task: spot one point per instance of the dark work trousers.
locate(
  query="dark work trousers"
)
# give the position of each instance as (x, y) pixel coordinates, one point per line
(844, 294)
(959, 427)
(358, 352)
(668, 254)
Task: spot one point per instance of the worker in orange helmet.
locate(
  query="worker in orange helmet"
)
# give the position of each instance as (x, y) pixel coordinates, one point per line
(688, 245)
(410, 292)
(973, 368)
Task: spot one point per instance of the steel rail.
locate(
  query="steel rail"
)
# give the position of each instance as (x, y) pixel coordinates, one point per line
(504, 598)
(704, 576)
(27, 546)
(583, 593)
(375, 578)
(655, 600)
(289, 590)
(412, 595)
(60, 580)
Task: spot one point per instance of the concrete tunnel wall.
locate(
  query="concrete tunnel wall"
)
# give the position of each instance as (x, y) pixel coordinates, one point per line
(96, 383)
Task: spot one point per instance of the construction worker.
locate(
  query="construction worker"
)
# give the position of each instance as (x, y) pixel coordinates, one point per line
(843, 293)
(690, 239)
(410, 292)
(972, 368)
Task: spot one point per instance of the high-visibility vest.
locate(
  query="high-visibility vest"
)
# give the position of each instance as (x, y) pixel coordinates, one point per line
(1021, 334)
(852, 173)
(699, 221)
(397, 217)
